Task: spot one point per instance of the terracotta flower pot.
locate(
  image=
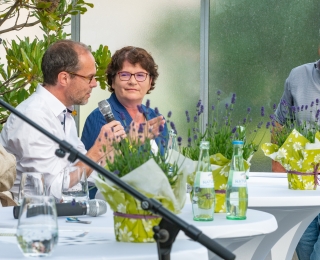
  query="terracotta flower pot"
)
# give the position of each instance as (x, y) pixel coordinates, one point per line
(277, 167)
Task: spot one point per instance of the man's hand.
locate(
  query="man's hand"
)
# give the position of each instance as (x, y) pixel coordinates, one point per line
(103, 146)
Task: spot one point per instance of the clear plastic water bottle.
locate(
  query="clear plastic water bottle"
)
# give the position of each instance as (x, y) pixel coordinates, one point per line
(236, 191)
(203, 197)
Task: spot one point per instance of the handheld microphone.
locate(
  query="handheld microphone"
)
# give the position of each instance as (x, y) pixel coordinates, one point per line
(92, 208)
(106, 111)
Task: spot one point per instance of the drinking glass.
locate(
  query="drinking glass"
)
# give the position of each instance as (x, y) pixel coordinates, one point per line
(37, 230)
(32, 183)
(74, 185)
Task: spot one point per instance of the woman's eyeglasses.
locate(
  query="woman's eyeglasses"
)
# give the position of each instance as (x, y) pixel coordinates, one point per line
(139, 76)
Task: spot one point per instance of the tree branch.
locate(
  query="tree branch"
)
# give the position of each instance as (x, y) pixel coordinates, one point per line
(14, 89)
(19, 26)
(9, 12)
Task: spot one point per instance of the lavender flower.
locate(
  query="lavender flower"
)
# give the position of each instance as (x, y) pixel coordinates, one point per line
(140, 109)
(156, 110)
(283, 102)
(233, 99)
(140, 130)
(262, 111)
(122, 116)
(173, 126)
(195, 119)
(169, 114)
(274, 107)
(148, 103)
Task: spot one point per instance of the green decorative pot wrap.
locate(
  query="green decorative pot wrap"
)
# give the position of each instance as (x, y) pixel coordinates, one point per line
(134, 228)
(299, 157)
(131, 222)
(303, 181)
(220, 166)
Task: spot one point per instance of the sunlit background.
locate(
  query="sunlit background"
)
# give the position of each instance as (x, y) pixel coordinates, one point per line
(253, 45)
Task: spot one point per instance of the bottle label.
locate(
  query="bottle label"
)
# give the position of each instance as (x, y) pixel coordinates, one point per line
(206, 180)
(239, 179)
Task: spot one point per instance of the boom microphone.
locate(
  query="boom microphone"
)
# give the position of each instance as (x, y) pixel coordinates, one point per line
(92, 208)
(106, 111)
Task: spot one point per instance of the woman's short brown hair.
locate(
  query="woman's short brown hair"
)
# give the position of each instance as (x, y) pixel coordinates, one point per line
(133, 55)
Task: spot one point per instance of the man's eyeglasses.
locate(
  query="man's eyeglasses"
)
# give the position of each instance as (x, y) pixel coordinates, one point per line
(90, 78)
(139, 76)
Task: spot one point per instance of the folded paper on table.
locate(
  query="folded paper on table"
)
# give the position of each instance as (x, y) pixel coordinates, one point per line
(299, 157)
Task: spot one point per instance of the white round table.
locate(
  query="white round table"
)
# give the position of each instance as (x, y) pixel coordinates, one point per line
(93, 241)
(293, 209)
(240, 236)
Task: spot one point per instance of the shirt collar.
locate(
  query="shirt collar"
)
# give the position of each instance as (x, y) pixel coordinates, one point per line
(54, 104)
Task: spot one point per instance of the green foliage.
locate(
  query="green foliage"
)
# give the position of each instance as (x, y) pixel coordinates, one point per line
(103, 58)
(22, 73)
(132, 154)
(222, 130)
(308, 128)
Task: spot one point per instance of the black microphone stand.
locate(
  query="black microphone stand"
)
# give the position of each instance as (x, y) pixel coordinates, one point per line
(169, 226)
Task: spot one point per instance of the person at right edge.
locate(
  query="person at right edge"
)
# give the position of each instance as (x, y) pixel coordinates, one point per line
(131, 74)
(302, 87)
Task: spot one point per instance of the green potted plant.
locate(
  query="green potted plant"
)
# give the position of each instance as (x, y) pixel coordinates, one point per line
(155, 175)
(220, 132)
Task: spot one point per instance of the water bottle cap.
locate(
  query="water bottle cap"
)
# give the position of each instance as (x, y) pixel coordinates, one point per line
(237, 142)
(204, 144)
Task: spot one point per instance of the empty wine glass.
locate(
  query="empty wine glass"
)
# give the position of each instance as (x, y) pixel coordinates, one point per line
(32, 183)
(37, 230)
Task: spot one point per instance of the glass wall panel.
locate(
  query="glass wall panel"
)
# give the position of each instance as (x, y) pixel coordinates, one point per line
(169, 29)
(253, 47)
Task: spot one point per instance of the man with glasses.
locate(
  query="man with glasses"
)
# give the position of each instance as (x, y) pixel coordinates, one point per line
(131, 75)
(68, 78)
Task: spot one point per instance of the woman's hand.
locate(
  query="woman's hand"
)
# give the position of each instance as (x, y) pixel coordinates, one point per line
(140, 130)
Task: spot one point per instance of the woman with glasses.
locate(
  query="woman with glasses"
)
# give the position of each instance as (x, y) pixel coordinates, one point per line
(131, 75)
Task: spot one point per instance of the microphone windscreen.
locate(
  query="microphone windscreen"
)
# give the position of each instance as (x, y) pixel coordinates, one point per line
(106, 110)
(96, 207)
